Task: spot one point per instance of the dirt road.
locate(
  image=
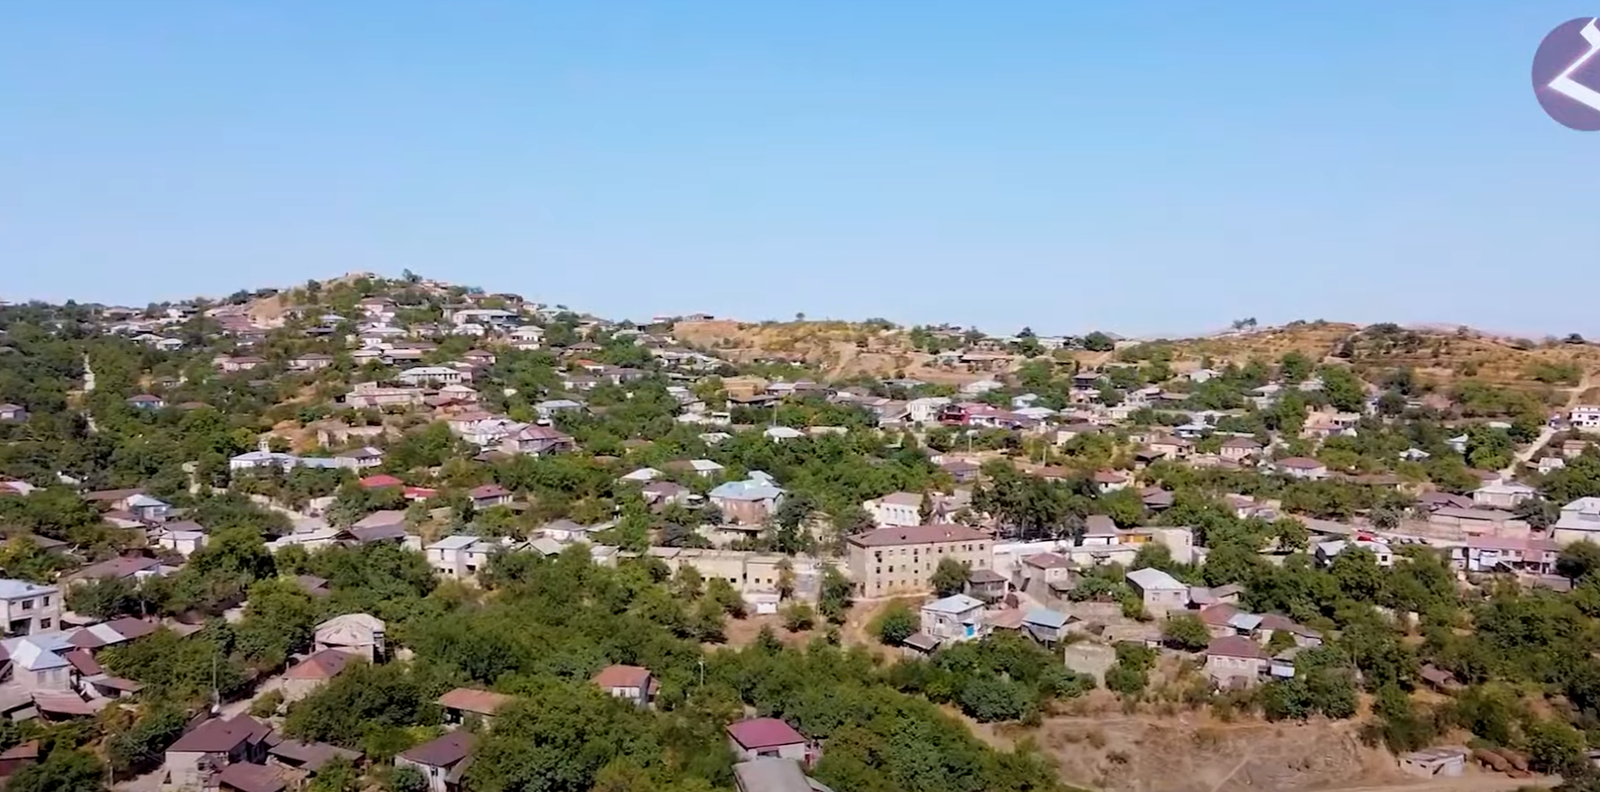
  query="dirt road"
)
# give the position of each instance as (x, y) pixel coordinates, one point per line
(1476, 782)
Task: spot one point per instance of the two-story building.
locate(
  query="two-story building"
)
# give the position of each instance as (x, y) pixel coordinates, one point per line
(29, 607)
(954, 618)
(897, 509)
(1160, 591)
(747, 502)
(1579, 520)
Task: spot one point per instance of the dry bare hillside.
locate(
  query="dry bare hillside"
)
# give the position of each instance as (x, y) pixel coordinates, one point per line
(838, 349)
(1439, 354)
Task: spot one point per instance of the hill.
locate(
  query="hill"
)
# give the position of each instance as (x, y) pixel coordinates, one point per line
(1438, 355)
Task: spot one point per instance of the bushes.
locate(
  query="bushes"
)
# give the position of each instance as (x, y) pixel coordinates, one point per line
(1131, 673)
(798, 616)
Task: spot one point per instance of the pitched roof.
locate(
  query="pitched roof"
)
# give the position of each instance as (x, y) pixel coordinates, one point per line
(482, 702)
(763, 733)
(220, 735)
(1300, 463)
(622, 676)
(442, 752)
(325, 664)
(1047, 561)
(247, 777)
(1235, 646)
(1152, 579)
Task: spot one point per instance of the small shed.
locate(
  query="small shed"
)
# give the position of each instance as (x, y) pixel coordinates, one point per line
(1448, 761)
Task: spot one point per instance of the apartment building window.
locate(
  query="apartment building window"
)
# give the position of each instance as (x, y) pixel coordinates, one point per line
(44, 624)
(27, 604)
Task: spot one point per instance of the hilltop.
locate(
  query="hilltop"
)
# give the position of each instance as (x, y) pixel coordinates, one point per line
(1439, 356)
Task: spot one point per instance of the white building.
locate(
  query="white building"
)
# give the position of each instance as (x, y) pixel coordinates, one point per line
(955, 618)
(1579, 520)
(1160, 591)
(29, 607)
(897, 509)
(422, 375)
(1585, 417)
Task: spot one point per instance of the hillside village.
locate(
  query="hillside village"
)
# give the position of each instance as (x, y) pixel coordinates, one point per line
(402, 534)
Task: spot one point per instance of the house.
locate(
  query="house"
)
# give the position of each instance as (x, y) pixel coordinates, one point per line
(461, 702)
(311, 361)
(1303, 468)
(1234, 661)
(39, 663)
(12, 413)
(897, 509)
(1045, 626)
(1503, 495)
(767, 737)
(1160, 591)
(213, 745)
(232, 365)
(781, 433)
(112, 633)
(131, 568)
(747, 502)
(1273, 623)
(631, 683)
(986, 584)
(538, 441)
(773, 774)
(316, 670)
(245, 777)
(1170, 447)
(145, 401)
(355, 633)
(889, 562)
(704, 468)
(1326, 551)
(441, 761)
(1579, 520)
(420, 376)
(1584, 418)
(1110, 481)
(1238, 449)
(29, 607)
(371, 394)
(957, 617)
(961, 470)
(1045, 572)
(489, 496)
(448, 556)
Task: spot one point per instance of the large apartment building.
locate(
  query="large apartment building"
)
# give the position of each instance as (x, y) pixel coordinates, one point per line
(897, 561)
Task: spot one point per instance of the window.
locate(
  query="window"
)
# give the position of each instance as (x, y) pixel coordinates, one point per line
(46, 601)
(44, 624)
(27, 604)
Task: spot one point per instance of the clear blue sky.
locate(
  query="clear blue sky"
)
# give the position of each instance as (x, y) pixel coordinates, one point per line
(1133, 166)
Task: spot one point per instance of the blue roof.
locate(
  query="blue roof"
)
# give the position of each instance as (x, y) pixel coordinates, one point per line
(749, 489)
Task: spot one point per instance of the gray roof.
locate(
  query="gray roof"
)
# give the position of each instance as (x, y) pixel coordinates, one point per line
(955, 603)
(1151, 579)
(1045, 617)
(12, 589)
(457, 542)
(772, 774)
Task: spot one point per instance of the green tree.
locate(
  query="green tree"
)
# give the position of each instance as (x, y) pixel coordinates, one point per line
(834, 600)
(895, 624)
(949, 577)
(1578, 559)
(1185, 631)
